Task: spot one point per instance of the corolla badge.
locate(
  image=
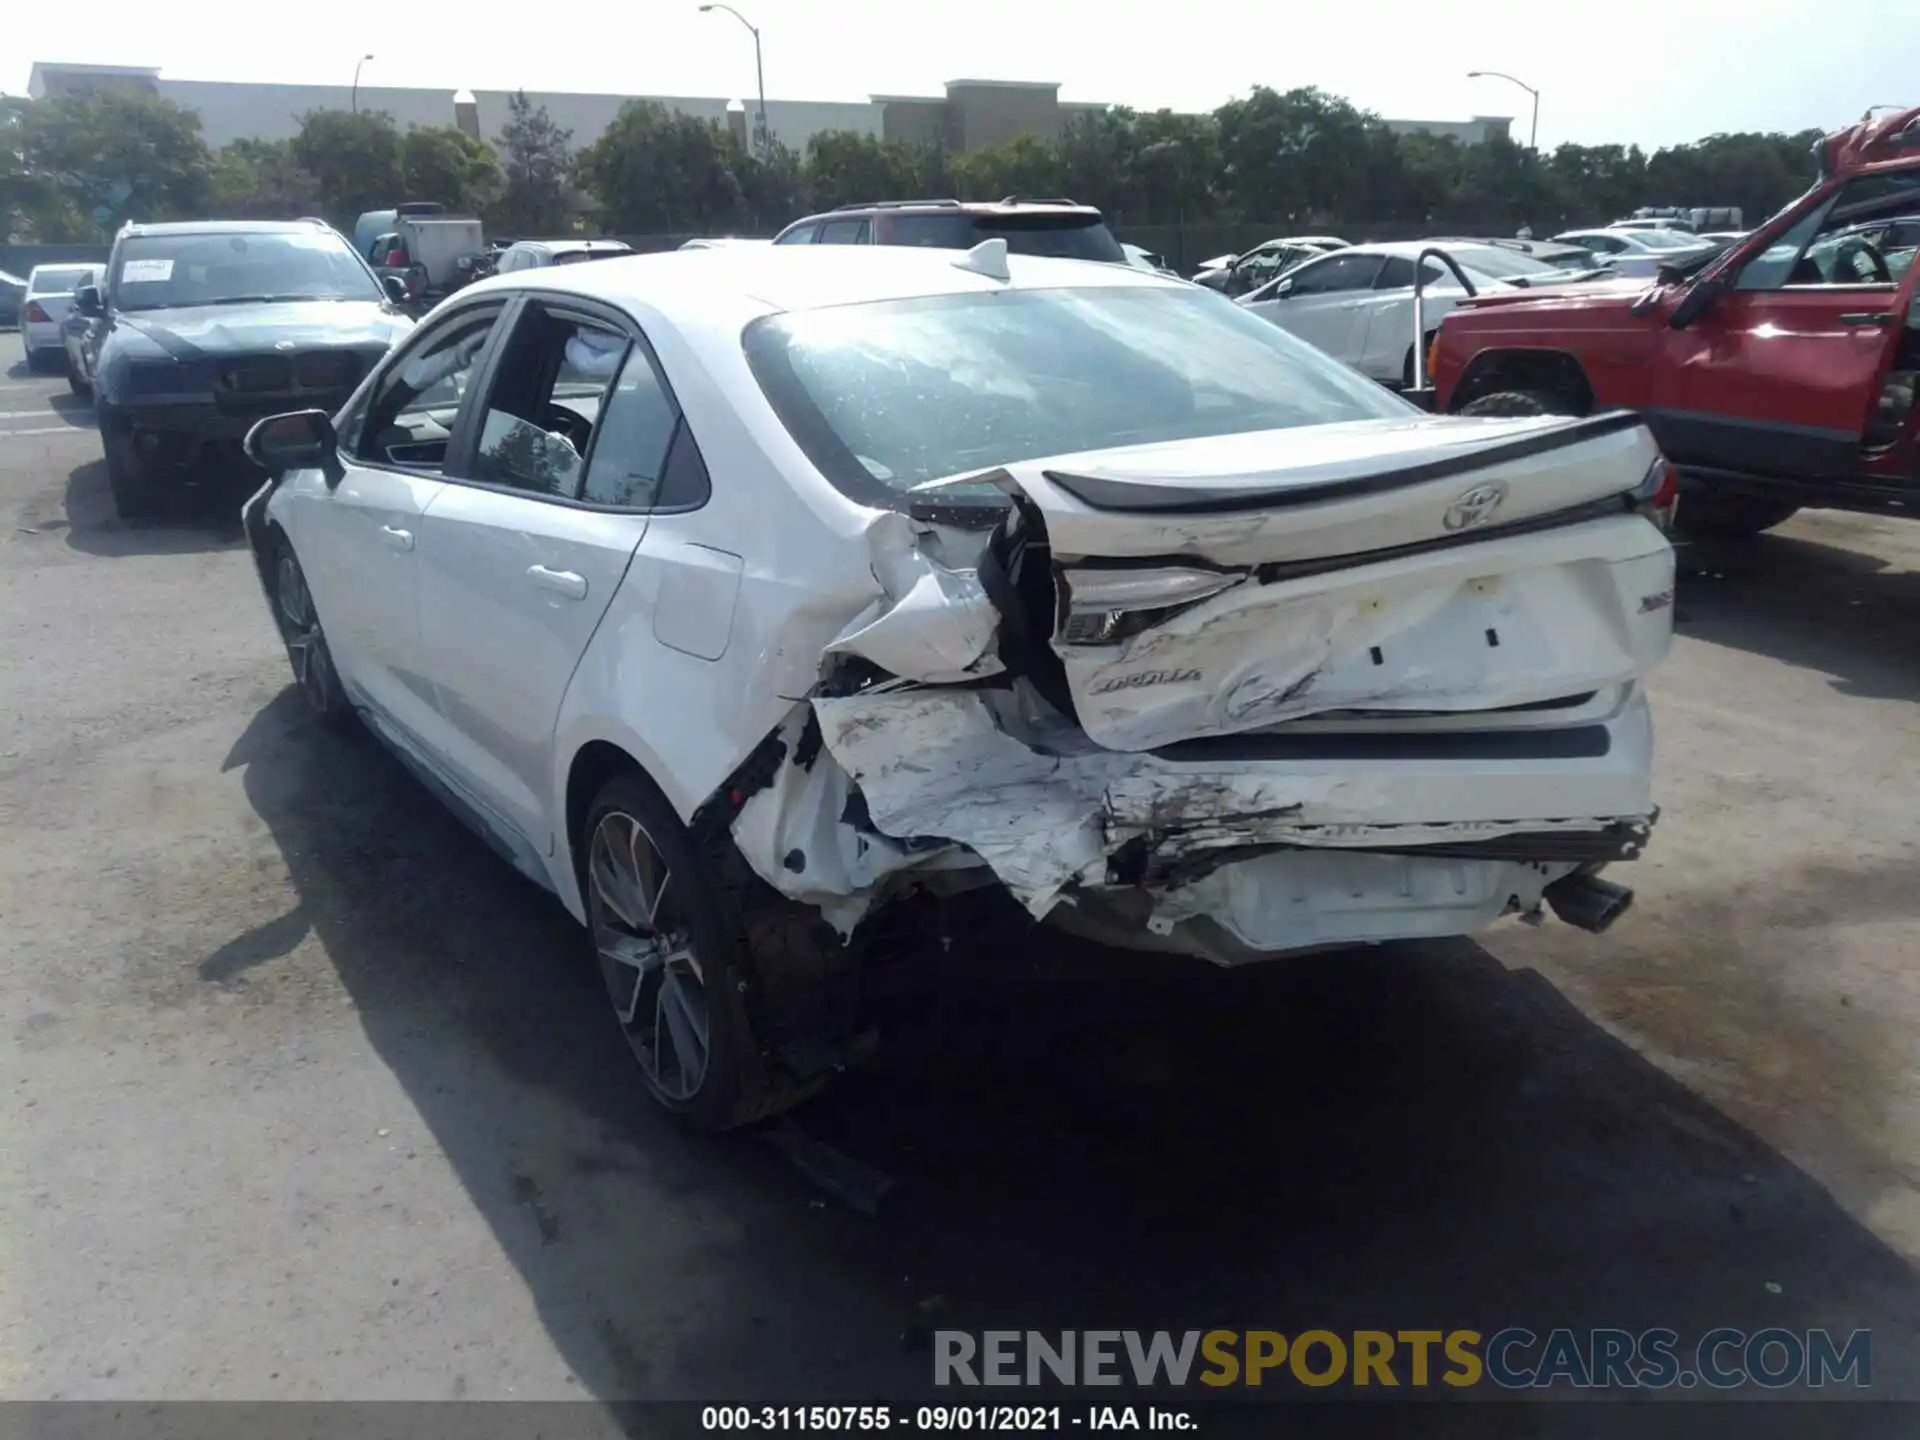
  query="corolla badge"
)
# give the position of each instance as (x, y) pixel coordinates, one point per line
(1476, 507)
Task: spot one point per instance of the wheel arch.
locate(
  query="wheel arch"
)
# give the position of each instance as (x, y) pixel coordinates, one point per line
(592, 760)
(1555, 372)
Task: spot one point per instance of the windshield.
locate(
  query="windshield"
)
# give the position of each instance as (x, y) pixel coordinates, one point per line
(1500, 264)
(1665, 240)
(889, 395)
(158, 272)
(57, 279)
(1071, 235)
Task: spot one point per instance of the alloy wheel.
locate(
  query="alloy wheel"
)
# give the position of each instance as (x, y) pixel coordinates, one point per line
(306, 642)
(647, 958)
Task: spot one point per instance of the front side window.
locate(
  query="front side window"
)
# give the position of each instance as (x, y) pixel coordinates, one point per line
(1337, 274)
(888, 395)
(155, 272)
(417, 400)
(1842, 243)
(799, 235)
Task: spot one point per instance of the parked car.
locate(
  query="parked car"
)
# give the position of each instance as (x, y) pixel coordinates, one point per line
(1575, 258)
(1635, 253)
(1240, 274)
(13, 292)
(432, 255)
(1672, 224)
(718, 242)
(1030, 227)
(758, 603)
(1357, 304)
(74, 325)
(1776, 372)
(48, 295)
(535, 254)
(1142, 259)
(204, 326)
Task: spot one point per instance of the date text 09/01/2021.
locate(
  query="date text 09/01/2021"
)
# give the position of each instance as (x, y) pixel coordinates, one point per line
(851, 1419)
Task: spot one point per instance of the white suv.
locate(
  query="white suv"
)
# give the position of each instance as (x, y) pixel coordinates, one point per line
(738, 595)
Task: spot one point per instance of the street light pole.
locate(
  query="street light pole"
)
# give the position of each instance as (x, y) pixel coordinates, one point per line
(760, 135)
(356, 83)
(1533, 132)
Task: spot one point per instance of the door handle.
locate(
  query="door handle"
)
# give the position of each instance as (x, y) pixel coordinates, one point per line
(561, 582)
(1868, 317)
(395, 538)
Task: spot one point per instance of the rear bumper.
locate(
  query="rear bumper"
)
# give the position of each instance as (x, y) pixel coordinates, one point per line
(1055, 817)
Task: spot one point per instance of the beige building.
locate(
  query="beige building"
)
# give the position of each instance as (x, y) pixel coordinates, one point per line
(971, 114)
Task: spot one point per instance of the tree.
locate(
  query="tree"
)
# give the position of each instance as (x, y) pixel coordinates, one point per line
(1024, 165)
(658, 171)
(538, 195)
(260, 180)
(773, 186)
(845, 167)
(354, 160)
(444, 163)
(115, 155)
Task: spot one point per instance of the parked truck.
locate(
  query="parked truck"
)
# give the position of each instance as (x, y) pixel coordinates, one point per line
(1776, 372)
(431, 251)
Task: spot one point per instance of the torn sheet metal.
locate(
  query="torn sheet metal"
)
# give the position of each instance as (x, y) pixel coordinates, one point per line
(797, 837)
(933, 621)
(1505, 622)
(1044, 808)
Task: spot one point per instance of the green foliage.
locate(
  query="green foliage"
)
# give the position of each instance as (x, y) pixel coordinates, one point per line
(538, 196)
(74, 167)
(97, 159)
(354, 160)
(444, 163)
(655, 170)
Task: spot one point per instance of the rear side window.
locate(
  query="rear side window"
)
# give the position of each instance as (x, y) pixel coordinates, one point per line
(630, 452)
(1080, 235)
(843, 232)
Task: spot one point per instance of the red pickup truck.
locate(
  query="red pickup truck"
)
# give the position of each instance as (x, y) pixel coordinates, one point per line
(1776, 373)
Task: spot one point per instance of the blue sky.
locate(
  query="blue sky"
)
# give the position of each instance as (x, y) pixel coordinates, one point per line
(1649, 71)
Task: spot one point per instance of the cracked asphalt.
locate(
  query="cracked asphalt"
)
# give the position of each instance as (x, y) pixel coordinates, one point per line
(307, 1096)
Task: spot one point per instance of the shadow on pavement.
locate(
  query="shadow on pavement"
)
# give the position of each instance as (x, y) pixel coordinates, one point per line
(1403, 1137)
(1843, 612)
(204, 519)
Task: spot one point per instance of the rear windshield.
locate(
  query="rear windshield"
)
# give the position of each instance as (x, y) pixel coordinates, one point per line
(156, 272)
(57, 279)
(888, 395)
(1499, 263)
(1071, 236)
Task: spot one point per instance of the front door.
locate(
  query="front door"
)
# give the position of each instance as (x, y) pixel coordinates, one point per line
(358, 541)
(521, 555)
(1781, 373)
(1322, 302)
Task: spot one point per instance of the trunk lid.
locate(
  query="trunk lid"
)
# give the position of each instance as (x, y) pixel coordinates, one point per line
(1221, 586)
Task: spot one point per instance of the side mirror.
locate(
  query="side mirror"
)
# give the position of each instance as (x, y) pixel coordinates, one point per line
(1695, 303)
(297, 440)
(88, 302)
(396, 288)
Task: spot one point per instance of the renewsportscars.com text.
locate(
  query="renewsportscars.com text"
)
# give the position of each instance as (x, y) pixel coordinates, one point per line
(1514, 1358)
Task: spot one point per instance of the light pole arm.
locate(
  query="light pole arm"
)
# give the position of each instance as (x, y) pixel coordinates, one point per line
(1533, 132)
(760, 136)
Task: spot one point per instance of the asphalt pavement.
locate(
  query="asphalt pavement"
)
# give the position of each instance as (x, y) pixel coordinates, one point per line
(308, 1096)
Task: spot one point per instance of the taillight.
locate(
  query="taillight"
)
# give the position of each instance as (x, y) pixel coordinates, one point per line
(37, 313)
(1658, 495)
(1433, 349)
(396, 256)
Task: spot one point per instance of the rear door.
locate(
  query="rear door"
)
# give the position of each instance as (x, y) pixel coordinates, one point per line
(1323, 302)
(1781, 373)
(1387, 316)
(522, 553)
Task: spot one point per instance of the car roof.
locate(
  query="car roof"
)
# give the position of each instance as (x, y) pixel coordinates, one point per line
(1408, 249)
(728, 284)
(223, 227)
(1011, 205)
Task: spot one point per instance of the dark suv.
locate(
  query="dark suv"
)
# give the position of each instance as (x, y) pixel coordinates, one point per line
(1030, 227)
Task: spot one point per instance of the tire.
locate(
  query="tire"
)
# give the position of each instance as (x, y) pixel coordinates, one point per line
(1511, 403)
(669, 941)
(136, 495)
(1712, 514)
(306, 641)
(1406, 365)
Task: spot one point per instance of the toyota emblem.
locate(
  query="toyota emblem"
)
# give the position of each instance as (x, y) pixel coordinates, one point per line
(1476, 507)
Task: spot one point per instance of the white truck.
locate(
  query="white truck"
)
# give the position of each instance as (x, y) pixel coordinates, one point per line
(426, 250)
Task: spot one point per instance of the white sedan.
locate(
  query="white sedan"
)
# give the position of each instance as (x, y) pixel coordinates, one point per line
(1357, 304)
(1637, 254)
(738, 595)
(43, 308)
